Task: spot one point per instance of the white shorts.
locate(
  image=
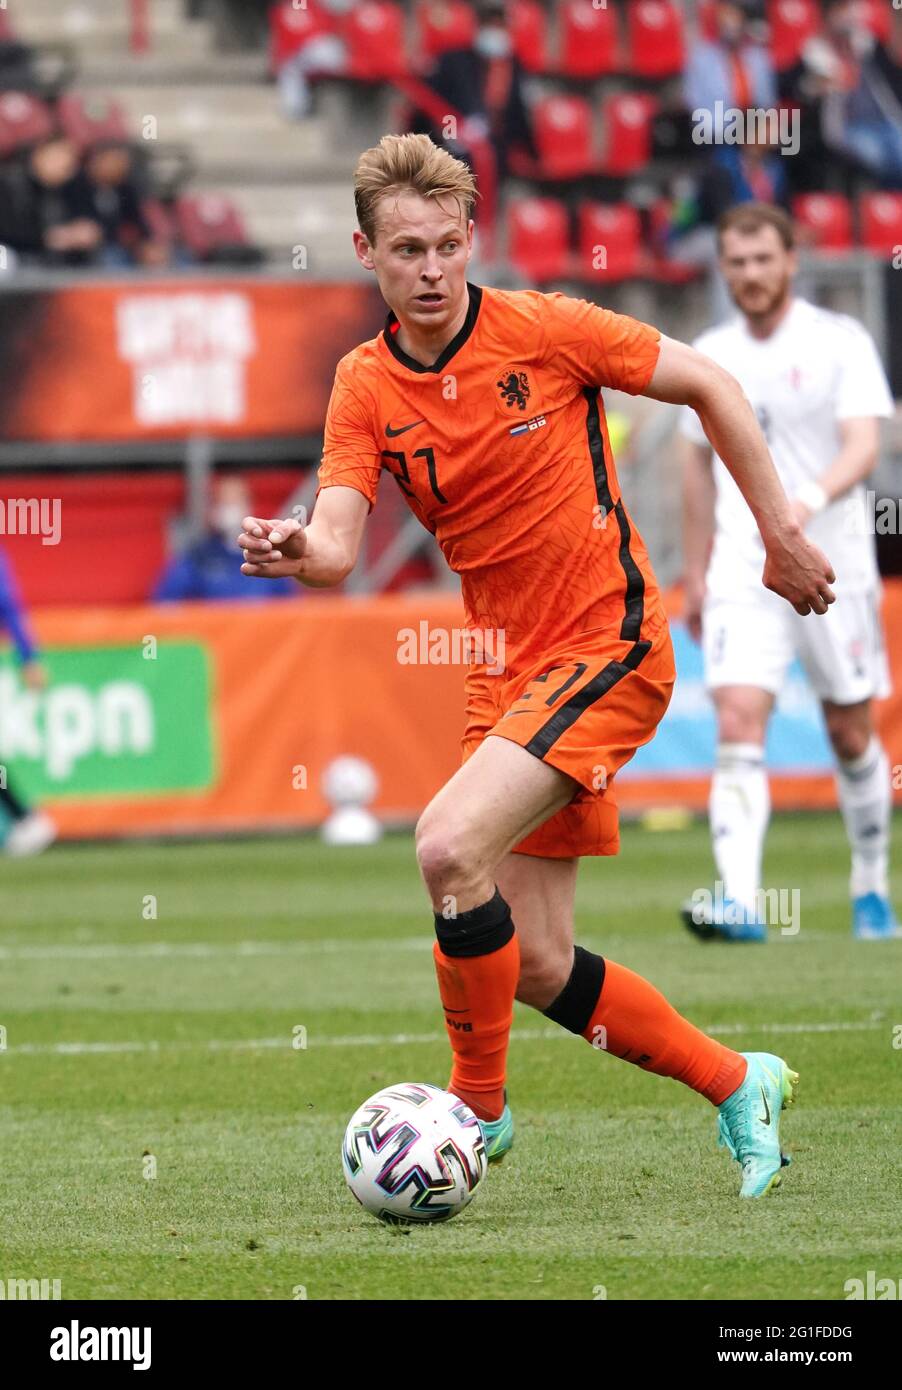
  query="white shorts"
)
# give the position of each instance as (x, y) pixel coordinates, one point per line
(752, 641)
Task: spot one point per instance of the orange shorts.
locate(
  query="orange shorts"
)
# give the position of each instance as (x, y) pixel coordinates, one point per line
(584, 710)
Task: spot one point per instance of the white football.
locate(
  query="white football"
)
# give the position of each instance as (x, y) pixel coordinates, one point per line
(413, 1152)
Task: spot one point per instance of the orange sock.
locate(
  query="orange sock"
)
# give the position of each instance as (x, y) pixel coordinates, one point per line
(477, 992)
(632, 1020)
(640, 1026)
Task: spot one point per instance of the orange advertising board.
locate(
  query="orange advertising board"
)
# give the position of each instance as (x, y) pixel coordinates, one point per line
(218, 717)
(163, 359)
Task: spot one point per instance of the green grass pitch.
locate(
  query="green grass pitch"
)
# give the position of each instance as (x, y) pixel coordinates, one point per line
(163, 1138)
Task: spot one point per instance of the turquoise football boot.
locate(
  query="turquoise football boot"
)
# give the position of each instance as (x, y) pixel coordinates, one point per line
(498, 1134)
(727, 921)
(873, 918)
(749, 1122)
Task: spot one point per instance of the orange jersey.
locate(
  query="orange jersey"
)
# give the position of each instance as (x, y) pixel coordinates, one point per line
(501, 450)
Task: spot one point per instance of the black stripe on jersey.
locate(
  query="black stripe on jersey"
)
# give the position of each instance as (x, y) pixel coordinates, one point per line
(631, 627)
(456, 343)
(593, 690)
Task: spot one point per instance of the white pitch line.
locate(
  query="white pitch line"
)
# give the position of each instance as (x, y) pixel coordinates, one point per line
(79, 1049)
(161, 950)
(206, 950)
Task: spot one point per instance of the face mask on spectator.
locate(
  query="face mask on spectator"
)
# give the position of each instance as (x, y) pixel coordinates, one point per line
(493, 42)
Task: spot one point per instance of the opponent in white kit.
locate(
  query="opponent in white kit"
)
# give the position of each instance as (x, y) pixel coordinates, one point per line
(816, 382)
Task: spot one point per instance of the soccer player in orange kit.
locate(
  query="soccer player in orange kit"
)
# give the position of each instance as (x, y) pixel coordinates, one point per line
(483, 404)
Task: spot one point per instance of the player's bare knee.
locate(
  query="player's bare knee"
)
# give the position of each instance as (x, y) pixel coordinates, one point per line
(736, 723)
(850, 738)
(444, 857)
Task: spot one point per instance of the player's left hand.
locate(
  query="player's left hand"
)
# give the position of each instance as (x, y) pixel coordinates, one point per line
(797, 571)
(272, 548)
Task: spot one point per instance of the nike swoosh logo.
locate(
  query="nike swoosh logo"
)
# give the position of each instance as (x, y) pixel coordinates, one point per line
(765, 1118)
(393, 434)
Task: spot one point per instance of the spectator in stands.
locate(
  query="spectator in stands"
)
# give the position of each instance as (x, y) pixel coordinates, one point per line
(16, 66)
(210, 567)
(323, 51)
(115, 204)
(45, 209)
(733, 69)
(754, 172)
(849, 87)
(31, 831)
(484, 84)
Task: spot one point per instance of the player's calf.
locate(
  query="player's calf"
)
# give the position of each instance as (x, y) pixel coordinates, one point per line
(477, 963)
(543, 974)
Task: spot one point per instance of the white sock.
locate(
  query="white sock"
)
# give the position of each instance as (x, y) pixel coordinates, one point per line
(865, 799)
(739, 810)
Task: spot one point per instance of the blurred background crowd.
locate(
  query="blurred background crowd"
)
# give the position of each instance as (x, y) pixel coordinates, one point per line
(153, 132)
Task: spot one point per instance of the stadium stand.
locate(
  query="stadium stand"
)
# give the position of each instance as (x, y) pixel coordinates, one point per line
(604, 91)
(656, 41)
(590, 41)
(538, 238)
(792, 23)
(24, 120)
(880, 217)
(827, 218)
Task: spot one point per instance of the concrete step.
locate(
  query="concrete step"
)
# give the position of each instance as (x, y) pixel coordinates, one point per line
(93, 21)
(316, 216)
(172, 67)
(235, 132)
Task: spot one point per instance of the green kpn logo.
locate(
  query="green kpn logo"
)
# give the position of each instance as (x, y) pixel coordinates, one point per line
(110, 722)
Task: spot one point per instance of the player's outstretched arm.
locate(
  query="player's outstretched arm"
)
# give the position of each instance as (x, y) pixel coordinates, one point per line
(319, 555)
(794, 568)
(698, 530)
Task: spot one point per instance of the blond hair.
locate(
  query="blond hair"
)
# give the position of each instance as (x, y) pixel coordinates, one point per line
(414, 162)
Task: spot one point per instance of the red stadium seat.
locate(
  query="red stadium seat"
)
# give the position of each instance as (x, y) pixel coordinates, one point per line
(792, 23)
(23, 120)
(538, 237)
(627, 120)
(377, 47)
(656, 46)
(827, 218)
(529, 31)
(563, 132)
(880, 216)
(609, 241)
(589, 39)
(207, 222)
(453, 25)
(89, 119)
(290, 28)
(877, 15)
(137, 509)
